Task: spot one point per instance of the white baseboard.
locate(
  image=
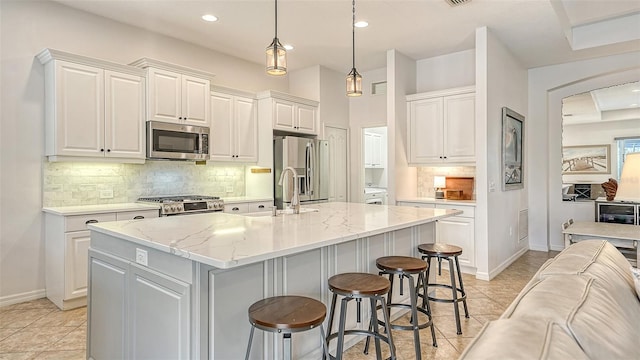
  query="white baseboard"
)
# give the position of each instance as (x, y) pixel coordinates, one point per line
(493, 273)
(538, 247)
(18, 298)
(557, 247)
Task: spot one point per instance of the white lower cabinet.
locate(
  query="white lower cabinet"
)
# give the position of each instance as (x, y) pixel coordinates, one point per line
(128, 298)
(66, 244)
(456, 230)
(248, 207)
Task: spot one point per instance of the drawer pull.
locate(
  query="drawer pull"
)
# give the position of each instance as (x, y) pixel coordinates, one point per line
(138, 217)
(92, 221)
(261, 207)
(235, 209)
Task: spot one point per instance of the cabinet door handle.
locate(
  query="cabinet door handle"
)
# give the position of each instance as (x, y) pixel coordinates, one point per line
(261, 207)
(92, 221)
(108, 150)
(138, 217)
(445, 157)
(235, 209)
(101, 150)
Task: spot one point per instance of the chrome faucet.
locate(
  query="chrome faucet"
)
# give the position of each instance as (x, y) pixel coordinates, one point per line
(295, 199)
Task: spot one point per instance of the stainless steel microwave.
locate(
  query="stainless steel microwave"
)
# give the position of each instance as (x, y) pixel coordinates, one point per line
(177, 141)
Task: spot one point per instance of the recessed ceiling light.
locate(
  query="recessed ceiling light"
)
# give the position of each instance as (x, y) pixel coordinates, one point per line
(635, 90)
(209, 17)
(361, 24)
(288, 47)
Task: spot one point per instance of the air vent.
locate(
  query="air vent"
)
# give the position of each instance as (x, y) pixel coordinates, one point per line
(456, 2)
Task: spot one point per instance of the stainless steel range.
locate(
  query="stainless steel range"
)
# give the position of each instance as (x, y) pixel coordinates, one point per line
(185, 204)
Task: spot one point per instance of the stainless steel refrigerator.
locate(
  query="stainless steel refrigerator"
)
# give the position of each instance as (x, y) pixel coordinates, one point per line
(310, 159)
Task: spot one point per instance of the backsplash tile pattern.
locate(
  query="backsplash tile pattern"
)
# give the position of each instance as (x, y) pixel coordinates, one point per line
(67, 184)
(426, 174)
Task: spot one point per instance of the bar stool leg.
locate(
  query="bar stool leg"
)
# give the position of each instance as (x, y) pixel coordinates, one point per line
(454, 292)
(374, 321)
(343, 318)
(325, 347)
(425, 302)
(286, 346)
(250, 341)
(414, 317)
(330, 325)
(464, 294)
(387, 321)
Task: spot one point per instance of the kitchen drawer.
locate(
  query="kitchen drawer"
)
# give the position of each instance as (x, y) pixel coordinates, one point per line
(260, 206)
(236, 208)
(79, 222)
(139, 214)
(416, 204)
(468, 211)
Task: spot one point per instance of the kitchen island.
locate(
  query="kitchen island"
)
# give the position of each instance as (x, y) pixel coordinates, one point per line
(179, 287)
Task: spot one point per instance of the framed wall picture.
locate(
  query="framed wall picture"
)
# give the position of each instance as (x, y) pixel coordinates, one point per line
(512, 150)
(586, 159)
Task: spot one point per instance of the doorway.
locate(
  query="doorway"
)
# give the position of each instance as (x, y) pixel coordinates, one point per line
(374, 164)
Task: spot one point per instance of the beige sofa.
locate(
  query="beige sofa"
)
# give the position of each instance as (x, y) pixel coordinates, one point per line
(581, 304)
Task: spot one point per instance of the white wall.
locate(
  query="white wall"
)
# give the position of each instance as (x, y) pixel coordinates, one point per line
(598, 134)
(27, 27)
(547, 87)
(364, 111)
(446, 71)
(401, 81)
(502, 80)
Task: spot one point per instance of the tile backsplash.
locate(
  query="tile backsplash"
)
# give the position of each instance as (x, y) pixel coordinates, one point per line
(426, 174)
(70, 183)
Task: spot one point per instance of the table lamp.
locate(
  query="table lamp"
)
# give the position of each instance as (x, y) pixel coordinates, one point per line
(439, 182)
(629, 184)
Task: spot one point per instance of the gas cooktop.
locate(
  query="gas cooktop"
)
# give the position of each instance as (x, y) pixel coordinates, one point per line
(185, 204)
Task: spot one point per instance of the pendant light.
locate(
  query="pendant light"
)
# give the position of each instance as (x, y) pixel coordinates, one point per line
(276, 54)
(354, 79)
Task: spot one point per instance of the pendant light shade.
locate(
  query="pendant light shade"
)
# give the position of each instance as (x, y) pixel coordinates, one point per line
(276, 53)
(354, 79)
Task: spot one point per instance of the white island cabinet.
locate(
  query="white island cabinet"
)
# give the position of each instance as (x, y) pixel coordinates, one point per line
(180, 287)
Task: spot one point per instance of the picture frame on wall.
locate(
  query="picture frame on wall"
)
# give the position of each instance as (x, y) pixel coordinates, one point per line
(512, 150)
(586, 159)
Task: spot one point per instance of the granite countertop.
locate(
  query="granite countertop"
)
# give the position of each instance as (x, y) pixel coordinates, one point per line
(228, 240)
(427, 200)
(101, 208)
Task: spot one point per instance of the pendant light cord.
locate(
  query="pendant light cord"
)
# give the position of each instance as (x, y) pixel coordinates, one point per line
(353, 35)
(276, 32)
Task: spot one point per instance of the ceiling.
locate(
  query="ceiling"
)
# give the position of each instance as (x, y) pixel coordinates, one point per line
(538, 32)
(615, 103)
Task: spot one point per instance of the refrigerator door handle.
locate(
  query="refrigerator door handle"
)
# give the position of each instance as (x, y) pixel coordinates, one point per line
(310, 175)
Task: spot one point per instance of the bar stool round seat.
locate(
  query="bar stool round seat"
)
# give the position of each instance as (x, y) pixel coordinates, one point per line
(404, 267)
(358, 286)
(286, 315)
(450, 253)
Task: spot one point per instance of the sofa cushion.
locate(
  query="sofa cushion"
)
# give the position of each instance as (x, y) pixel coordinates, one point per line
(597, 258)
(636, 279)
(602, 316)
(523, 339)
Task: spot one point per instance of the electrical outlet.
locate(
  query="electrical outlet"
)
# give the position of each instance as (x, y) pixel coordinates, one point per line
(106, 194)
(141, 257)
(492, 186)
(510, 230)
(229, 189)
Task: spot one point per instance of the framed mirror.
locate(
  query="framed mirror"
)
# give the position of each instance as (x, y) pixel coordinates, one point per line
(598, 128)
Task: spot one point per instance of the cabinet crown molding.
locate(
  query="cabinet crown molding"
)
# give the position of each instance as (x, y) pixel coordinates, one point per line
(47, 55)
(146, 62)
(439, 93)
(231, 91)
(285, 96)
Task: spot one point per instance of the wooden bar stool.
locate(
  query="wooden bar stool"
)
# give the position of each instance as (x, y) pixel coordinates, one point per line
(360, 286)
(405, 267)
(449, 253)
(287, 315)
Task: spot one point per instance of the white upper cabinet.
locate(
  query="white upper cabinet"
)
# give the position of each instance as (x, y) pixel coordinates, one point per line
(289, 113)
(373, 151)
(94, 109)
(177, 94)
(441, 127)
(234, 122)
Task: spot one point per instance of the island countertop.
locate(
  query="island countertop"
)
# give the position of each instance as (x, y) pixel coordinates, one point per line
(227, 241)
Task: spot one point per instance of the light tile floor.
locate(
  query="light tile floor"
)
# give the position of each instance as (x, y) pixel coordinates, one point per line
(39, 330)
